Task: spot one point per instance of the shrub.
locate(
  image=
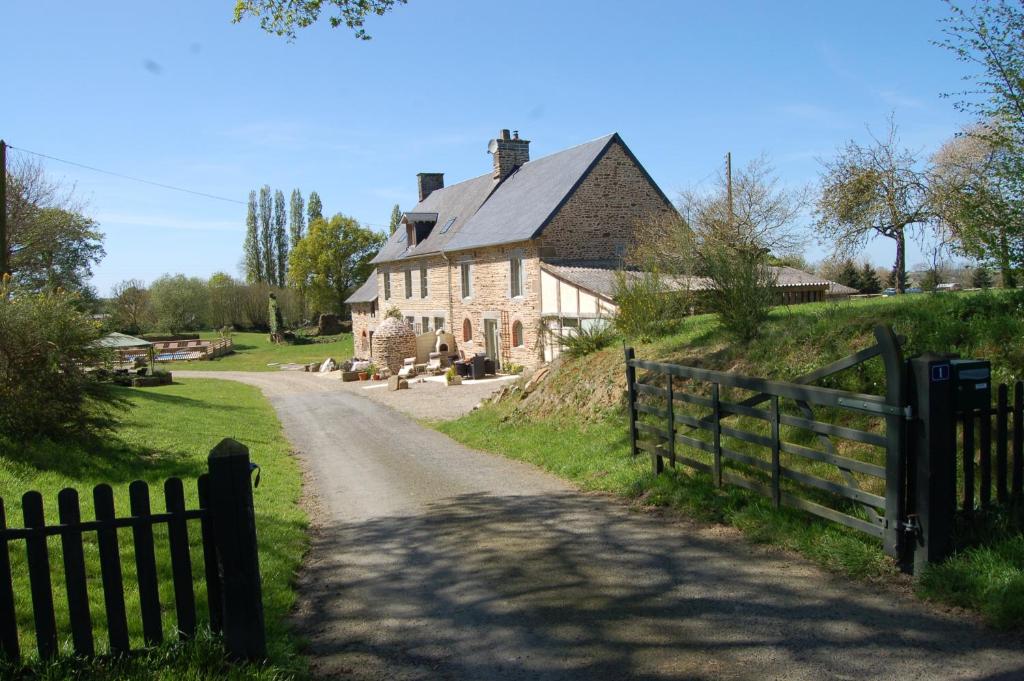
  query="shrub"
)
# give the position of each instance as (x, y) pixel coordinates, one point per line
(394, 313)
(589, 339)
(182, 303)
(647, 309)
(742, 288)
(46, 349)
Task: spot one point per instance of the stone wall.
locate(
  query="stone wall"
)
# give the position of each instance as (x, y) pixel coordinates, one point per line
(491, 282)
(599, 220)
(364, 322)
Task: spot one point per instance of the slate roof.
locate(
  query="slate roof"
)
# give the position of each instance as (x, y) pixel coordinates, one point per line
(490, 214)
(602, 279)
(367, 293)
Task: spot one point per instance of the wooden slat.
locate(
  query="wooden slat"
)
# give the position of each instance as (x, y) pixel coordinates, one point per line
(968, 460)
(1002, 442)
(94, 525)
(10, 650)
(214, 592)
(645, 389)
(74, 574)
(181, 561)
(776, 448)
(834, 487)
(985, 456)
(652, 430)
(833, 515)
(835, 459)
(732, 408)
(39, 577)
(110, 570)
(690, 398)
(740, 457)
(1018, 438)
(145, 565)
(746, 436)
(834, 430)
(652, 410)
(695, 443)
(746, 483)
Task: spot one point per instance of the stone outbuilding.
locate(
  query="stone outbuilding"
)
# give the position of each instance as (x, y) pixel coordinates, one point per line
(393, 341)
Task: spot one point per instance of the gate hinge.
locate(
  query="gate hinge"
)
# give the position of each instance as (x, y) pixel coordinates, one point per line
(912, 525)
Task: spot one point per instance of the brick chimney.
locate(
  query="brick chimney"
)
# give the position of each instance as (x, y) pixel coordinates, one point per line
(429, 183)
(509, 153)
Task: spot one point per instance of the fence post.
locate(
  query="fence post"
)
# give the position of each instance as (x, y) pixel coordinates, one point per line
(234, 530)
(932, 459)
(894, 540)
(631, 397)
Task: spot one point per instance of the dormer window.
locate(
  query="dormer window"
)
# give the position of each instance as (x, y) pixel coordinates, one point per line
(418, 226)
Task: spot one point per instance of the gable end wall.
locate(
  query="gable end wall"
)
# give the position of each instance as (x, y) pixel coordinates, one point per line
(603, 212)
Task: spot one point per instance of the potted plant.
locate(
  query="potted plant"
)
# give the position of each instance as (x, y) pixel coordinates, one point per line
(364, 374)
(374, 371)
(452, 378)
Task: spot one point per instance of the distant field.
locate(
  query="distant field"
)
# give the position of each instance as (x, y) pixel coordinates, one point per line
(254, 352)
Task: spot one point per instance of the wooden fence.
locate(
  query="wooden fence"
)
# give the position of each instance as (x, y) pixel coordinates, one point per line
(985, 478)
(227, 528)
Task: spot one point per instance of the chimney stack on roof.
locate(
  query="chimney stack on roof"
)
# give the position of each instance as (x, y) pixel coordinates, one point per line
(509, 153)
(427, 183)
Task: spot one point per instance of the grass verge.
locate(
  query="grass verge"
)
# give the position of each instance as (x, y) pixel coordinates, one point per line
(167, 431)
(254, 352)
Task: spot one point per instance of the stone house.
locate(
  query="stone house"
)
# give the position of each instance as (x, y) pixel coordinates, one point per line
(472, 258)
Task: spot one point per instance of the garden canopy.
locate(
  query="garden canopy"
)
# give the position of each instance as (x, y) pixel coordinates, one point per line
(121, 341)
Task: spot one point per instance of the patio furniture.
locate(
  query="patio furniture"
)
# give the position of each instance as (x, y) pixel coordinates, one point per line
(489, 366)
(408, 369)
(462, 368)
(478, 366)
(434, 363)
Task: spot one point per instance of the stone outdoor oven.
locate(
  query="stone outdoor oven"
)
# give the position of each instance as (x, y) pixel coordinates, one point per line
(393, 341)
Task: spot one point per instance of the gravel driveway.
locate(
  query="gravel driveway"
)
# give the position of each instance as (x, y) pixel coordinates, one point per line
(434, 561)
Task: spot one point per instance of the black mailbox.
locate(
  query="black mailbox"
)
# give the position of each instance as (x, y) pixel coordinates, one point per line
(972, 384)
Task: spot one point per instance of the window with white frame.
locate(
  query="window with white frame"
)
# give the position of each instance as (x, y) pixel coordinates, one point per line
(425, 323)
(408, 283)
(466, 277)
(438, 323)
(516, 272)
(423, 280)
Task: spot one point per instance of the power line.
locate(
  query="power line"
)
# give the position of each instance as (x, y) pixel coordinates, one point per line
(149, 182)
(127, 177)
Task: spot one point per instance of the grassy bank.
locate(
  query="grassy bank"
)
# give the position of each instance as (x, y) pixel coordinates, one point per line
(166, 432)
(255, 352)
(575, 426)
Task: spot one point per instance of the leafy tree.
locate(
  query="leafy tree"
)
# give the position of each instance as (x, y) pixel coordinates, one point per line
(868, 279)
(332, 260)
(981, 277)
(47, 346)
(873, 190)
(181, 303)
(930, 279)
(976, 204)
(266, 215)
(297, 225)
(280, 238)
(51, 242)
(396, 218)
(315, 208)
(284, 17)
(132, 307)
(253, 257)
(224, 300)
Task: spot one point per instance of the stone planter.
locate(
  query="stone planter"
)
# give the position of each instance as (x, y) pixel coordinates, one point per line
(455, 380)
(152, 380)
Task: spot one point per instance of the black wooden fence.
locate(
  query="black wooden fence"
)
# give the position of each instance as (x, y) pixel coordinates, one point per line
(991, 452)
(227, 528)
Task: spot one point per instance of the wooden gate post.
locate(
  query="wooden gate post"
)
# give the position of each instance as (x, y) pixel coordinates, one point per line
(234, 529)
(631, 399)
(932, 460)
(894, 539)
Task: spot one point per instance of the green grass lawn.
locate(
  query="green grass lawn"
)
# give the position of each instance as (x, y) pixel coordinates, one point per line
(581, 408)
(165, 432)
(254, 352)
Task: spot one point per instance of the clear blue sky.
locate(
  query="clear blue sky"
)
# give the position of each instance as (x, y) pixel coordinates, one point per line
(175, 93)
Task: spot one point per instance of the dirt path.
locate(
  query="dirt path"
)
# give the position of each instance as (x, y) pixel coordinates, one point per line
(433, 561)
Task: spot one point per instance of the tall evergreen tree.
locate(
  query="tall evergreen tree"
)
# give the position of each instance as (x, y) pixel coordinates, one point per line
(396, 217)
(267, 234)
(849, 276)
(981, 277)
(298, 217)
(280, 237)
(869, 282)
(251, 248)
(315, 207)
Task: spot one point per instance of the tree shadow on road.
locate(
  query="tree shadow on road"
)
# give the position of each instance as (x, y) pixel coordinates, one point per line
(576, 587)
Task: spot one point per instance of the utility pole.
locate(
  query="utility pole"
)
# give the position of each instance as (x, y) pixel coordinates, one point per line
(4, 268)
(728, 184)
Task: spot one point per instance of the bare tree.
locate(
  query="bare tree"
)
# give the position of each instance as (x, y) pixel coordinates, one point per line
(132, 307)
(875, 190)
